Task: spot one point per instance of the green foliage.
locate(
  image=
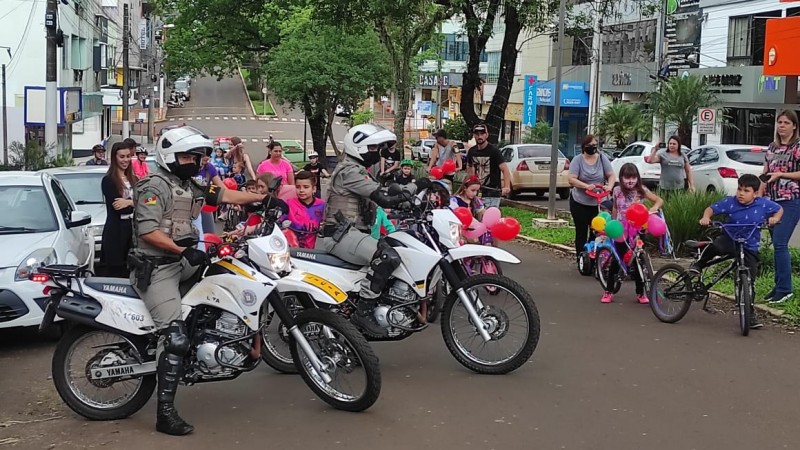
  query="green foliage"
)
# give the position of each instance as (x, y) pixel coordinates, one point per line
(542, 133)
(361, 116)
(456, 128)
(623, 122)
(32, 156)
(563, 236)
(767, 254)
(677, 100)
(683, 210)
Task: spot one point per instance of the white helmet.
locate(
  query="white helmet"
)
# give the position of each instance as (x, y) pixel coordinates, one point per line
(181, 140)
(360, 137)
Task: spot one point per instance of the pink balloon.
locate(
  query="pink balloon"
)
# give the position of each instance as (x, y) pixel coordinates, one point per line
(656, 225)
(620, 239)
(491, 216)
(475, 230)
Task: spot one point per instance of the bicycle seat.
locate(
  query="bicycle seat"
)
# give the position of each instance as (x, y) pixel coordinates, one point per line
(322, 257)
(696, 244)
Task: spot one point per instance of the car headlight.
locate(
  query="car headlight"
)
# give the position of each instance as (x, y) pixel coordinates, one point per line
(279, 261)
(41, 257)
(455, 232)
(96, 230)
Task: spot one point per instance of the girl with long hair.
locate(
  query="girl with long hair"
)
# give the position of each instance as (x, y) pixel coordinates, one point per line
(117, 187)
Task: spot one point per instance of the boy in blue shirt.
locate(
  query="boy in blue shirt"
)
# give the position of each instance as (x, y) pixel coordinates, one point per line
(744, 208)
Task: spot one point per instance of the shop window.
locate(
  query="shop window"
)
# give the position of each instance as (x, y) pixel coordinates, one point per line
(749, 126)
(746, 36)
(427, 95)
(493, 67)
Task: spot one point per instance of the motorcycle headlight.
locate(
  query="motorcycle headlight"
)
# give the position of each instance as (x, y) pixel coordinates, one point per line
(41, 257)
(455, 232)
(279, 261)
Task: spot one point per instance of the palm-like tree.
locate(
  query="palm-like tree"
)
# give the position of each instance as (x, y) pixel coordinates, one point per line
(677, 100)
(621, 122)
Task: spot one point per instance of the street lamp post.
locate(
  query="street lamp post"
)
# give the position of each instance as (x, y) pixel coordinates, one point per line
(5, 110)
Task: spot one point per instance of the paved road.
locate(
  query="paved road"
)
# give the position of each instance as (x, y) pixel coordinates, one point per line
(220, 108)
(603, 377)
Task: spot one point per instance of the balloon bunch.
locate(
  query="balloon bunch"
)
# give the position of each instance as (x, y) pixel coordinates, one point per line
(637, 217)
(448, 168)
(502, 228)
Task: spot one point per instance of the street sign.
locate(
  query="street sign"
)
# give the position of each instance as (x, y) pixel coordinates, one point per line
(706, 121)
(264, 91)
(530, 101)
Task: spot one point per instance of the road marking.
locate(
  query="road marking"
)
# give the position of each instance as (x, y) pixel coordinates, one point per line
(254, 140)
(224, 118)
(172, 119)
(199, 118)
(188, 118)
(208, 118)
(234, 117)
(252, 118)
(265, 140)
(283, 119)
(263, 118)
(216, 118)
(294, 120)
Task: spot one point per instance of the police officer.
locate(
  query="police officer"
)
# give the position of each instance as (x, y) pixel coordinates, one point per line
(350, 212)
(164, 252)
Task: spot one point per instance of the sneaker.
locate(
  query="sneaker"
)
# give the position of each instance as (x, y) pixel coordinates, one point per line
(642, 299)
(778, 299)
(608, 297)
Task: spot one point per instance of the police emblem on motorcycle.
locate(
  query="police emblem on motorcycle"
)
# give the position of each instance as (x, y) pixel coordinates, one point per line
(249, 297)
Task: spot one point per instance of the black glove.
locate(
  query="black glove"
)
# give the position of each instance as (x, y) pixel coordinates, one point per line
(385, 200)
(194, 256)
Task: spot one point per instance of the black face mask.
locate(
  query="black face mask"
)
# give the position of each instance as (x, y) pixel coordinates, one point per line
(186, 171)
(590, 150)
(371, 158)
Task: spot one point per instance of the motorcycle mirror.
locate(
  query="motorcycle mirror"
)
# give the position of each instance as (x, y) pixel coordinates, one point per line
(394, 189)
(275, 183)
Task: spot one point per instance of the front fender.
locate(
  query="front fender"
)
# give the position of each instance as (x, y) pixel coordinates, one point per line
(320, 289)
(473, 250)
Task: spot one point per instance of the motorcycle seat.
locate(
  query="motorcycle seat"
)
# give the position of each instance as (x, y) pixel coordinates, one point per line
(116, 286)
(322, 257)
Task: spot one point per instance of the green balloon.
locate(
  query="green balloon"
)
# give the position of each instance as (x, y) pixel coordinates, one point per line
(605, 216)
(614, 229)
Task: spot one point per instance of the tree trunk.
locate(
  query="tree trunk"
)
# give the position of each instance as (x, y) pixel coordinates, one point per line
(402, 87)
(329, 133)
(685, 134)
(471, 82)
(505, 80)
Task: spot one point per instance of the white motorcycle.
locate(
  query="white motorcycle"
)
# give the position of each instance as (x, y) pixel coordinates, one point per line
(104, 367)
(489, 322)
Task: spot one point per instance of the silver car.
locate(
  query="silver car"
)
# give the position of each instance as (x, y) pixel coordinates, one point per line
(82, 184)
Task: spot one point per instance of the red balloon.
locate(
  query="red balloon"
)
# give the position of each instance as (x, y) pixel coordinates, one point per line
(464, 215)
(506, 229)
(230, 183)
(208, 208)
(291, 237)
(437, 173)
(449, 167)
(637, 214)
(211, 238)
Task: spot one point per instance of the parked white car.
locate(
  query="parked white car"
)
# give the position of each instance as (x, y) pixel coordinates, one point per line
(40, 225)
(718, 167)
(635, 153)
(530, 169)
(421, 150)
(83, 185)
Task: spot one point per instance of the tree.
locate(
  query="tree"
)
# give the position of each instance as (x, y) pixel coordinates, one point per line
(216, 36)
(621, 122)
(677, 100)
(457, 129)
(319, 66)
(541, 133)
(404, 27)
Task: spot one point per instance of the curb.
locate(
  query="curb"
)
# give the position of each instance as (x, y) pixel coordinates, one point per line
(571, 251)
(247, 95)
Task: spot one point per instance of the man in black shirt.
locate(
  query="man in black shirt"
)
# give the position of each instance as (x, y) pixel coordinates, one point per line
(316, 168)
(390, 161)
(485, 161)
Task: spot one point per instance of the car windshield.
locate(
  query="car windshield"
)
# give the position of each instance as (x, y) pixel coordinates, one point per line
(633, 150)
(751, 156)
(181, 85)
(83, 188)
(26, 209)
(536, 151)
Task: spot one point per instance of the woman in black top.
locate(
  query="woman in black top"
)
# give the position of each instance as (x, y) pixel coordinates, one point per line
(117, 188)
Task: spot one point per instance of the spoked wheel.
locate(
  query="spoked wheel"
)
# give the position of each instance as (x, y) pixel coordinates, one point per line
(80, 353)
(347, 359)
(275, 338)
(509, 315)
(744, 299)
(671, 293)
(603, 267)
(484, 265)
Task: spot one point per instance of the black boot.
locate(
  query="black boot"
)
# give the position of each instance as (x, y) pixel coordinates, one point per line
(167, 419)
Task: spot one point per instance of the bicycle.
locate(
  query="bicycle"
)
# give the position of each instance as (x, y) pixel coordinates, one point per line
(587, 257)
(605, 255)
(682, 287)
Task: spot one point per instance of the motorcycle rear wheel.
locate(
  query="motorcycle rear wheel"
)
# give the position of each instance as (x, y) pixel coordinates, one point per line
(81, 400)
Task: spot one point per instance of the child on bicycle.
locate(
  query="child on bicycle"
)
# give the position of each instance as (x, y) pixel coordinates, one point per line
(629, 192)
(467, 197)
(742, 209)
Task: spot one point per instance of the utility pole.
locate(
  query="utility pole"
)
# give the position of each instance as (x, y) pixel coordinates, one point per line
(126, 35)
(551, 196)
(439, 83)
(659, 57)
(151, 75)
(51, 80)
(594, 76)
(5, 119)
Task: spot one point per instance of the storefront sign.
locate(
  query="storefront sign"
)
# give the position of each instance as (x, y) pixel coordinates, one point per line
(746, 85)
(621, 79)
(432, 80)
(769, 84)
(529, 105)
(627, 77)
(573, 94)
(424, 107)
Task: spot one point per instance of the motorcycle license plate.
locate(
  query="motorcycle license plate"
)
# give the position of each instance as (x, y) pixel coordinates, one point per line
(329, 288)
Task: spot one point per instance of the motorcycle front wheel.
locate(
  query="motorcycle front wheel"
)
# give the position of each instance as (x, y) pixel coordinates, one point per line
(348, 359)
(508, 312)
(82, 350)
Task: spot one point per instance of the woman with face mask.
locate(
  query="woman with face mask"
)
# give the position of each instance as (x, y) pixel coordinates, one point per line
(589, 168)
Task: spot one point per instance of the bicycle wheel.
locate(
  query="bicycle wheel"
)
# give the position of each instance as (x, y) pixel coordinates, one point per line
(646, 267)
(671, 293)
(744, 300)
(604, 259)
